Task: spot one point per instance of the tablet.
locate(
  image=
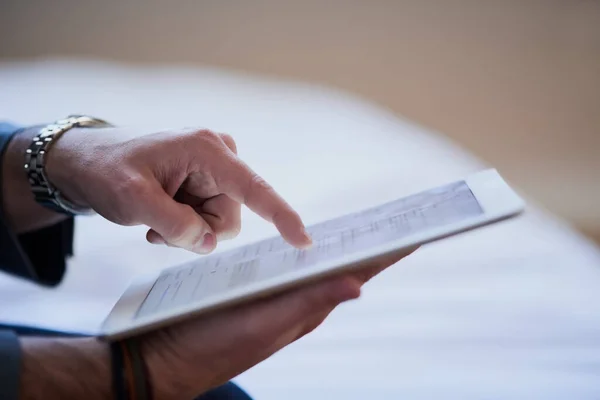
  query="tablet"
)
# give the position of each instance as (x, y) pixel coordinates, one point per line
(339, 244)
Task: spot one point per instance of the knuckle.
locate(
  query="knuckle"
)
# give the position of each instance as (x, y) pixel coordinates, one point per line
(227, 228)
(231, 231)
(179, 232)
(194, 137)
(229, 141)
(323, 299)
(312, 300)
(176, 233)
(327, 294)
(209, 144)
(207, 135)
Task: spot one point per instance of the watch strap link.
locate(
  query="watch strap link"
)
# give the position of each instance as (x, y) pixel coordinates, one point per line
(35, 161)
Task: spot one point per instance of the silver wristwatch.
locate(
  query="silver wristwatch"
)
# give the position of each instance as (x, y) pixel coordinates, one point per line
(35, 161)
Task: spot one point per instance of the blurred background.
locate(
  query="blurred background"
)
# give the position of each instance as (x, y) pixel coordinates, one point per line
(515, 82)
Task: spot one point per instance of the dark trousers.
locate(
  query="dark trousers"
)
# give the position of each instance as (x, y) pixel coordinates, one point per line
(228, 391)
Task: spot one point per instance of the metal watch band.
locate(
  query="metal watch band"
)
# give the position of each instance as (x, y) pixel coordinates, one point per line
(35, 162)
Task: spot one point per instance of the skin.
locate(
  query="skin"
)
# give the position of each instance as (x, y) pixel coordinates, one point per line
(188, 187)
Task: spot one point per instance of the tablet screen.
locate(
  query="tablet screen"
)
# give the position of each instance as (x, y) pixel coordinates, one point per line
(332, 239)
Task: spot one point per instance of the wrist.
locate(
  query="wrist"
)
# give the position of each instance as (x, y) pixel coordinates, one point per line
(64, 165)
(54, 165)
(167, 380)
(65, 368)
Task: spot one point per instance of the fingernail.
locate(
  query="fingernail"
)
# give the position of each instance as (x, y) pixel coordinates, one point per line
(208, 243)
(307, 239)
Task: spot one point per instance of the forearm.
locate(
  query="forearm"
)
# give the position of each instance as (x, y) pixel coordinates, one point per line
(65, 368)
(21, 210)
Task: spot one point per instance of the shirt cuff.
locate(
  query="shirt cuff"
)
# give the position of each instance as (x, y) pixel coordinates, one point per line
(10, 367)
(39, 255)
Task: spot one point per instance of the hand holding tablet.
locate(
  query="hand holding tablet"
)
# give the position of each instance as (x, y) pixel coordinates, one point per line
(189, 357)
(341, 245)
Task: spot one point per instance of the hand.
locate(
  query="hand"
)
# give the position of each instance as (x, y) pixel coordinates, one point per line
(192, 357)
(186, 185)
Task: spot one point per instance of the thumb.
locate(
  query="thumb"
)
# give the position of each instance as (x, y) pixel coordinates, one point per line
(176, 224)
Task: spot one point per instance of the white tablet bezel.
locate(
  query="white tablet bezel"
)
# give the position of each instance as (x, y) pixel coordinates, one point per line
(496, 198)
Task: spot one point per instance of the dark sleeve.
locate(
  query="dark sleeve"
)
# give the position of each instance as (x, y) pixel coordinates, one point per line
(10, 367)
(40, 255)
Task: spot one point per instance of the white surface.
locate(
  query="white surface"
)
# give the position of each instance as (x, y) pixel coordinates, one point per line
(511, 311)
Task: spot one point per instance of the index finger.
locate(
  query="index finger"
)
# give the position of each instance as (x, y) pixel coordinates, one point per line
(242, 184)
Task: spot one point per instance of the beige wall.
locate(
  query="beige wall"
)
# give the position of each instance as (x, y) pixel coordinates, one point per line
(517, 82)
